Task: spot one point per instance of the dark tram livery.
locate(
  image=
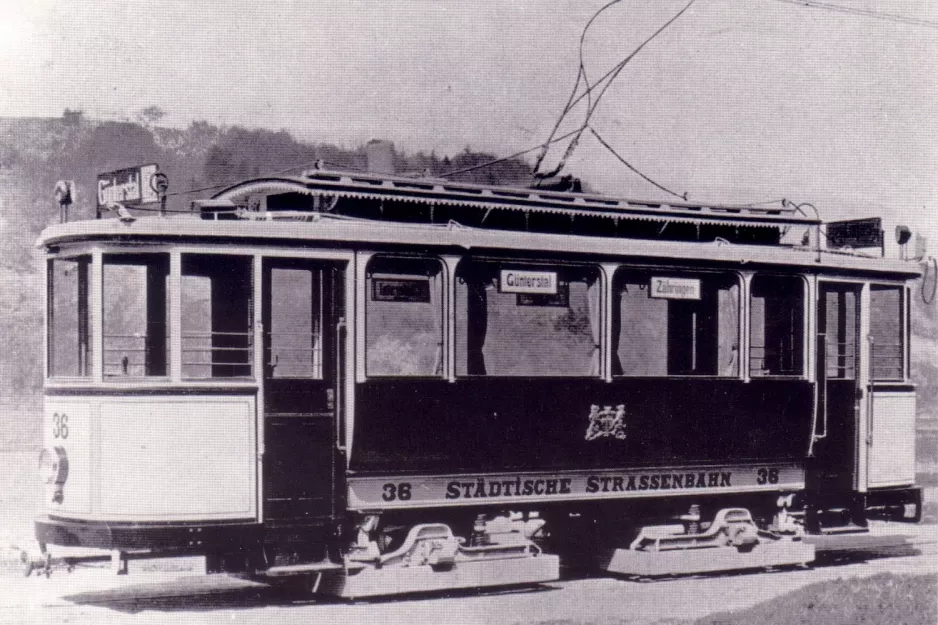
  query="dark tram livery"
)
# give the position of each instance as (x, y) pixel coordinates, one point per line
(391, 384)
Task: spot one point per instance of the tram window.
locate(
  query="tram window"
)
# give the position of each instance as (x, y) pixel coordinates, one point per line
(296, 318)
(776, 334)
(404, 317)
(69, 334)
(840, 329)
(503, 332)
(217, 311)
(668, 324)
(887, 319)
(134, 314)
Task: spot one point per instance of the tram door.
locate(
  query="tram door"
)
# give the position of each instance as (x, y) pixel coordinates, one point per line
(838, 351)
(303, 303)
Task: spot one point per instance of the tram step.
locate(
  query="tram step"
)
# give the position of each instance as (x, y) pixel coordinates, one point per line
(633, 562)
(856, 541)
(398, 580)
(845, 529)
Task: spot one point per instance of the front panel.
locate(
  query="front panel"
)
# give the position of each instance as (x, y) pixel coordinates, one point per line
(177, 459)
(892, 438)
(153, 458)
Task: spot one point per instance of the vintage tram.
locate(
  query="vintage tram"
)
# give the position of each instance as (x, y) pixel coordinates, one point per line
(394, 384)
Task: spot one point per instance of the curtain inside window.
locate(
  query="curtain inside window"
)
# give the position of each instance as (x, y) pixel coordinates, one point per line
(616, 330)
(436, 291)
(593, 297)
(728, 332)
(476, 325)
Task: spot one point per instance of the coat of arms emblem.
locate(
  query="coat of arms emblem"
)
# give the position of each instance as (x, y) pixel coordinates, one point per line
(606, 422)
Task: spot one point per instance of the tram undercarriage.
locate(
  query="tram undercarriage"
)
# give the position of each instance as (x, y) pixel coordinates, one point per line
(393, 555)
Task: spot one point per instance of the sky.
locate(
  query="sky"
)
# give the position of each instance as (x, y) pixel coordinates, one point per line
(738, 101)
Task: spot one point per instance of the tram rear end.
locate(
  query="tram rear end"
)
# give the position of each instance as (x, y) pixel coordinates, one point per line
(150, 435)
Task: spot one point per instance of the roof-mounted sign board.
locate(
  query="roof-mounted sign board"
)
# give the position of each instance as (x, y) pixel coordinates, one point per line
(855, 233)
(134, 185)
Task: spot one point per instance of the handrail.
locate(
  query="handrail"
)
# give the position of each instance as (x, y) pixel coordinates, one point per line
(820, 394)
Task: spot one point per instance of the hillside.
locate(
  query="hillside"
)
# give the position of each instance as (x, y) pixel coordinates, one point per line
(35, 153)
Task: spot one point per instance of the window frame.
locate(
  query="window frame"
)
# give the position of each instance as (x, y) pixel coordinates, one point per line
(320, 356)
(671, 271)
(365, 289)
(904, 322)
(167, 316)
(806, 313)
(250, 259)
(87, 368)
(534, 265)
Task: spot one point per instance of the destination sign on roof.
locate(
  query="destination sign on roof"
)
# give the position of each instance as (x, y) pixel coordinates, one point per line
(128, 186)
(855, 233)
(517, 281)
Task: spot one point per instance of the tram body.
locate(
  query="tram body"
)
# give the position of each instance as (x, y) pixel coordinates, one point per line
(402, 385)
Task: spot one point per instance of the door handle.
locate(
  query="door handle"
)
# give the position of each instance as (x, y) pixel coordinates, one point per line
(339, 380)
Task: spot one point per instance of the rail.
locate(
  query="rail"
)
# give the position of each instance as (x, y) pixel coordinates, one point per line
(217, 354)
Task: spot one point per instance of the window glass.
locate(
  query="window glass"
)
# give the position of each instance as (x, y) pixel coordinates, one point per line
(886, 330)
(134, 315)
(69, 337)
(296, 317)
(776, 333)
(404, 317)
(675, 324)
(217, 306)
(838, 331)
(515, 320)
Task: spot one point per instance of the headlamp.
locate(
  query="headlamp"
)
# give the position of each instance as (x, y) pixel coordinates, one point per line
(53, 466)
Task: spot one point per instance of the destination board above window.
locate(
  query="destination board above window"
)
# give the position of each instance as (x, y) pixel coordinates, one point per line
(560, 299)
(675, 288)
(400, 290)
(533, 282)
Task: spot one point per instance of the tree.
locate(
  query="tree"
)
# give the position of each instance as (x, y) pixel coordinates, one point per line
(150, 116)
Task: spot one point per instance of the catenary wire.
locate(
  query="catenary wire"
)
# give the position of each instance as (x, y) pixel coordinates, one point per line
(632, 167)
(839, 8)
(581, 74)
(506, 158)
(606, 81)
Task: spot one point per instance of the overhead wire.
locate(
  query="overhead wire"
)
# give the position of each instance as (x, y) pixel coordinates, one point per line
(839, 8)
(592, 105)
(632, 167)
(605, 81)
(505, 158)
(571, 102)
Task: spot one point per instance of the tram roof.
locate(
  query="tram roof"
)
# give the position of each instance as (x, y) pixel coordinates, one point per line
(231, 217)
(444, 193)
(352, 233)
